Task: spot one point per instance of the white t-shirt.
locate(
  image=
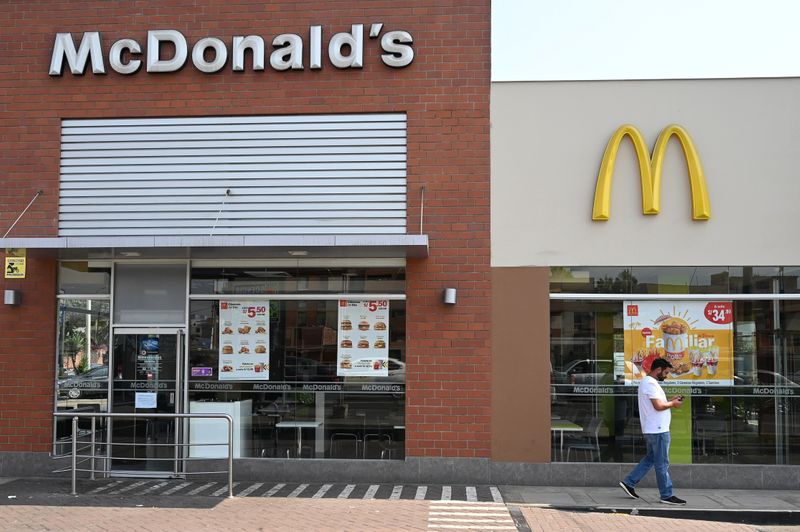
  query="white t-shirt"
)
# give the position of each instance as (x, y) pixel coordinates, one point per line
(653, 421)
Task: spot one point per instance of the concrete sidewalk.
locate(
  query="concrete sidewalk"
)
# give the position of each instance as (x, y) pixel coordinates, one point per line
(743, 506)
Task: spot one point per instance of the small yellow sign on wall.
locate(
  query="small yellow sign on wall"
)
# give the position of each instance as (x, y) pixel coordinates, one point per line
(15, 263)
(15, 267)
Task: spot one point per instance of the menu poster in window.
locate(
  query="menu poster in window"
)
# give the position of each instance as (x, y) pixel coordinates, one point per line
(363, 339)
(244, 340)
(695, 336)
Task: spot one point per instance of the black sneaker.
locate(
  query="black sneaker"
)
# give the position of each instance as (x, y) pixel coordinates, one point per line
(629, 490)
(674, 501)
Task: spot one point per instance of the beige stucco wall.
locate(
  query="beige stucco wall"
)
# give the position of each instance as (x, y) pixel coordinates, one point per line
(548, 140)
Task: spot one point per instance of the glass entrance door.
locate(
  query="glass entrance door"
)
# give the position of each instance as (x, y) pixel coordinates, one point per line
(146, 366)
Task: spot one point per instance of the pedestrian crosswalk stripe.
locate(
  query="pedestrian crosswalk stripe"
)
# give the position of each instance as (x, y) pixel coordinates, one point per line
(477, 503)
(128, 488)
(468, 527)
(176, 489)
(204, 487)
(371, 491)
(472, 494)
(322, 491)
(224, 489)
(468, 508)
(496, 497)
(421, 491)
(447, 492)
(275, 489)
(493, 513)
(107, 486)
(298, 490)
(488, 520)
(247, 491)
(396, 492)
(153, 488)
(347, 491)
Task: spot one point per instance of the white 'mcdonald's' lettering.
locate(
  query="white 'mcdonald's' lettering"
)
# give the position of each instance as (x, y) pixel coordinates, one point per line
(210, 54)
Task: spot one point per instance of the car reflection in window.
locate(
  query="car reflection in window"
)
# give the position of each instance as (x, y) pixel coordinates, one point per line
(73, 385)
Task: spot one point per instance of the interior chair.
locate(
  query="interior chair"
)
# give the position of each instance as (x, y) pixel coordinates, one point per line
(389, 448)
(589, 440)
(344, 445)
(379, 443)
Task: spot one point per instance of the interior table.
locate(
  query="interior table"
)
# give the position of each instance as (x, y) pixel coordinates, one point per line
(299, 425)
(561, 426)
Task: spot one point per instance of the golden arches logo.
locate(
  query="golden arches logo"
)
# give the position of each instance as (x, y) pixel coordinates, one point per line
(650, 172)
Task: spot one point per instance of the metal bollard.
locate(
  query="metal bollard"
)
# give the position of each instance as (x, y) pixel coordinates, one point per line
(93, 425)
(230, 457)
(74, 454)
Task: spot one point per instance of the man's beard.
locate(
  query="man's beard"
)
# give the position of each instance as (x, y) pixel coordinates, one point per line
(661, 377)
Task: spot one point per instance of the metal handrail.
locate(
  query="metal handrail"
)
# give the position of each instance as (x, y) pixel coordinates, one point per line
(114, 415)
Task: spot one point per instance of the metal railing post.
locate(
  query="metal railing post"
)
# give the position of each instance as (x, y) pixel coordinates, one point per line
(230, 456)
(74, 454)
(110, 416)
(93, 428)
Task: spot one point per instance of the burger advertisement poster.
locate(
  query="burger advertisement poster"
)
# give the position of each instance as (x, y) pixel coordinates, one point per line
(695, 336)
(363, 339)
(244, 340)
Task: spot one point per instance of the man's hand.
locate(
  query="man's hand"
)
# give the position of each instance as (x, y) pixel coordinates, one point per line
(660, 405)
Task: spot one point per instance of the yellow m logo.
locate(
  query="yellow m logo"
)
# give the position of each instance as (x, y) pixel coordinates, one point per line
(650, 172)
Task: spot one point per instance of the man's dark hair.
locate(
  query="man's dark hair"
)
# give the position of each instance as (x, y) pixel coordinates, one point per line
(660, 363)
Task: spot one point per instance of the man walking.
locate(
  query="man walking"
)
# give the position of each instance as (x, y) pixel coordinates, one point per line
(655, 415)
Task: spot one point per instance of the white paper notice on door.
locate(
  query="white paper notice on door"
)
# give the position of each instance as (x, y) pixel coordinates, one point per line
(363, 339)
(145, 399)
(244, 340)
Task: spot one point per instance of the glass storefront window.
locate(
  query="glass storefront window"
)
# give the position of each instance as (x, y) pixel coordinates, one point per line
(754, 421)
(680, 280)
(590, 279)
(675, 280)
(264, 280)
(83, 329)
(149, 294)
(305, 409)
(82, 360)
(84, 277)
(303, 341)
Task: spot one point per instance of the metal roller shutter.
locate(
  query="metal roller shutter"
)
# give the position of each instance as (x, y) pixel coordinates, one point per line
(287, 175)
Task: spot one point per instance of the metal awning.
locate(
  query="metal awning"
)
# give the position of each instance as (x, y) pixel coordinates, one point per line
(210, 247)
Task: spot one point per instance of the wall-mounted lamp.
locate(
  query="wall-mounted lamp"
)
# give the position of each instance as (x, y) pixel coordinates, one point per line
(449, 296)
(12, 297)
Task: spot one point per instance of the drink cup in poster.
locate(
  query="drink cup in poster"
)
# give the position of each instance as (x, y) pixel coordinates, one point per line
(636, 363)
(705, 353)
(713, 359)
(696, 357)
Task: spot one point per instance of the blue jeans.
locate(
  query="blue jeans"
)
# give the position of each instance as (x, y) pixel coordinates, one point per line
(657, 457)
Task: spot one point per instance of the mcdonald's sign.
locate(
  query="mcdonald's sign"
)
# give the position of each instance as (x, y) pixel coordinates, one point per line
(650, 168)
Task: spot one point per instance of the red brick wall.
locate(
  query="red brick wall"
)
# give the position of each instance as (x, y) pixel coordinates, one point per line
(445, 92)
(27, 357)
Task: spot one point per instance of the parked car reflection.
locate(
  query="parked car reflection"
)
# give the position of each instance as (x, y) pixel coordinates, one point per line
(584, 371)
(764, 378)
(73, 386)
